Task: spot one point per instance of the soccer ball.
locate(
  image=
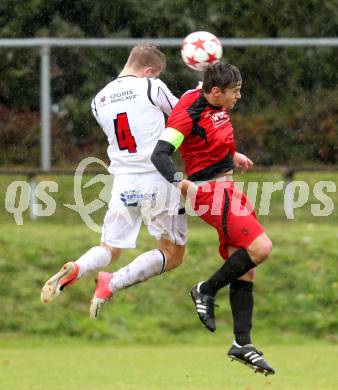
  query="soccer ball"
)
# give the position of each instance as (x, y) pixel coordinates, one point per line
(200, 49)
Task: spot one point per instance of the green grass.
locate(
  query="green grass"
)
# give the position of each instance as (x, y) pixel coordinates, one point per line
(149, 337)
(296, 289)
(66, 364)
(65, 195)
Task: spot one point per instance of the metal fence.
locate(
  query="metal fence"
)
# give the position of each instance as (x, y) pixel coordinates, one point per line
(46, 44)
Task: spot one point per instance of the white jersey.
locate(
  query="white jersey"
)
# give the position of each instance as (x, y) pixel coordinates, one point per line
(130, 111)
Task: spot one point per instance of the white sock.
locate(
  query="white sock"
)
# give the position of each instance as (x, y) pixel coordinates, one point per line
(145, 266)
(96, 257)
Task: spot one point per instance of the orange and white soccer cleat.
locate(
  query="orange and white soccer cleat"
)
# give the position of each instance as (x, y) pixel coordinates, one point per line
(102, 294)
(58, 282)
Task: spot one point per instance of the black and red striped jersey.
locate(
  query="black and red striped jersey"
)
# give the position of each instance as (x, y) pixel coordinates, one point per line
(208, 146)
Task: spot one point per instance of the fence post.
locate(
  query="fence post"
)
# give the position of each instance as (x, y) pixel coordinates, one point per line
(45, 108)
(32, 200)
(289, 174)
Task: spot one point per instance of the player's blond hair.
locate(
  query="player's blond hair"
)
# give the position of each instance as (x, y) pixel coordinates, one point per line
(146, 54)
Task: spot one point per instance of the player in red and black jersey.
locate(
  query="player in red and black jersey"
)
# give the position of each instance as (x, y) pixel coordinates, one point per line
(207, 131)
(200, 128)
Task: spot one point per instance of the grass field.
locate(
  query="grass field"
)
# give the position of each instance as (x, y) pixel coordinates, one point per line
(67, 364)
(149, 337)
(296, 290)
(65, 195)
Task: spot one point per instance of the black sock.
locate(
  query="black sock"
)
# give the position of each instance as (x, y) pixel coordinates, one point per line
(241, 301)
(238, 264)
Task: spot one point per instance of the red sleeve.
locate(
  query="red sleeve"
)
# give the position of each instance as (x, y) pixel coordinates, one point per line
(179, 118)
(231, 143)
(232, 146)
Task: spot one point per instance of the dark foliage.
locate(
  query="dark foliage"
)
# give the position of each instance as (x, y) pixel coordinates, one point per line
(289, 106)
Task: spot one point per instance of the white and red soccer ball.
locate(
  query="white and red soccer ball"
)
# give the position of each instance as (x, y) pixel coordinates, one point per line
(200, 49)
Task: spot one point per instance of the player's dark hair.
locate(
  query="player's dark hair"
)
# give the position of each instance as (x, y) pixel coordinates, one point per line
(146, 54)
(222, 76)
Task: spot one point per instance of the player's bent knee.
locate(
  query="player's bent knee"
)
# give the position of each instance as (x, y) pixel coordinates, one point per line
(267, 248)
(115, 252)
(260, 249)
(175, 256)
(264, 250)
(173, 263)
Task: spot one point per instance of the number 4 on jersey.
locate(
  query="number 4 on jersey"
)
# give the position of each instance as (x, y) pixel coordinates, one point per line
(124, 137)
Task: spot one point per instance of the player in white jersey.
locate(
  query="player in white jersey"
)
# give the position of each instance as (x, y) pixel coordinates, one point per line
(130, 110)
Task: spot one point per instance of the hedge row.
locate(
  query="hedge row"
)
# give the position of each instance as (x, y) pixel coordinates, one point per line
(306, 131)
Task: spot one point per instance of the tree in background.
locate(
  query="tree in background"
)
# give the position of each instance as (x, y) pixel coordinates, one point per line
(289, 105)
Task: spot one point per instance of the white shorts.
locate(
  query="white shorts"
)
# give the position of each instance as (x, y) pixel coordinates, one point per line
(148, 197)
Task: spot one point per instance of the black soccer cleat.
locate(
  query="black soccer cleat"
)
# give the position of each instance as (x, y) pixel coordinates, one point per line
(251, 357)
(204, 305)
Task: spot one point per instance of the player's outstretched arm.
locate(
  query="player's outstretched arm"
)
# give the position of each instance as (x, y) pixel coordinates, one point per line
(161, 158)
